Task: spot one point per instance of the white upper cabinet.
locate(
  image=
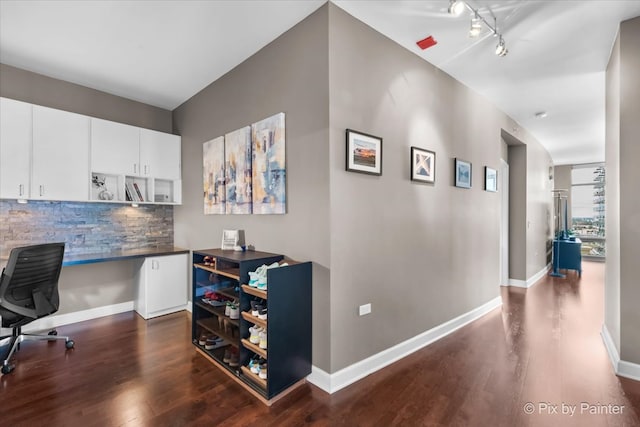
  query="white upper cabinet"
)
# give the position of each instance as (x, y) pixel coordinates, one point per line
(115, 148)
(160, 154)
(60, 155)
(15, 149)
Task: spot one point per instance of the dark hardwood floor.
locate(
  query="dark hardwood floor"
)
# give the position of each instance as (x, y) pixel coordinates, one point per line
(543, 346)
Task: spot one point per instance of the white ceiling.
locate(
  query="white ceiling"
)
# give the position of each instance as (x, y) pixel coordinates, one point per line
(164, 52)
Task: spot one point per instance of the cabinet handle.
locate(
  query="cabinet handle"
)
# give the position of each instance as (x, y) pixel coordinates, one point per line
(145, 170)
(42, 190)
(21, 189)
(135, 168)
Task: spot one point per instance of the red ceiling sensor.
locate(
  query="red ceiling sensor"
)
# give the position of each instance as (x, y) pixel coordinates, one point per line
(426, 43)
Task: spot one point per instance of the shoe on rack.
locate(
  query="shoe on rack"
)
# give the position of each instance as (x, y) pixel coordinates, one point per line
(254, 337)
(255, 310)
(234, 360)
(253, 279)
(256, 365)
(263, 371)
(227, 309)
(263, 339)
(202, 340)
(262, 314)
(234, 312)
(213, 341)
(227, 356)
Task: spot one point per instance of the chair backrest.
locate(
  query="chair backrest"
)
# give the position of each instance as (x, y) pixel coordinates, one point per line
(29, 283)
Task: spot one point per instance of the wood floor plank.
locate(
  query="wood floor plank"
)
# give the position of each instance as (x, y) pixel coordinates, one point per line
(542, 346)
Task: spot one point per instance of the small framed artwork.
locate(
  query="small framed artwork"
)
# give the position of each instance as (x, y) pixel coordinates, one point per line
(423, 165)
(463, 173)
(364, 153)
(490, 179)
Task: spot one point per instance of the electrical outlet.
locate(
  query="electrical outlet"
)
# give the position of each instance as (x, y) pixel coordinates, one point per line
(365, 309)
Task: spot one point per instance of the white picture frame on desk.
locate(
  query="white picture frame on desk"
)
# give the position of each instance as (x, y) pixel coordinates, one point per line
(231, 239)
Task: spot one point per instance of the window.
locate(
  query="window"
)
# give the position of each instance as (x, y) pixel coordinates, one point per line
(587, 208)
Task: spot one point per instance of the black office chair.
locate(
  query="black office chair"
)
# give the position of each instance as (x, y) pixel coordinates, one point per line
(29, 291)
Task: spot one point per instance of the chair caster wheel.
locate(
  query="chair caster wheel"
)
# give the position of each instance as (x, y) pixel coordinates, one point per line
(7, 369)
(53, 332)
(69, 344)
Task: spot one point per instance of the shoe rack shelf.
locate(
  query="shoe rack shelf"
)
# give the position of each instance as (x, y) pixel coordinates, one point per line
(254, 291)
(253, 319)
(288, 325)
(254, 377)
(232, 273)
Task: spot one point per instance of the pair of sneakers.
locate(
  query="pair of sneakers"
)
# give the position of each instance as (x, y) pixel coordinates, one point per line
(258, 310)
(213, 342)
(231, 357)
(258, 366)
(231, 310)
(256, 333)
(258, 278)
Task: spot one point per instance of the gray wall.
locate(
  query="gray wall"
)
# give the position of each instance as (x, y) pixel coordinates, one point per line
(629, 193)
(421, 254)
(26, 86)
(89, 286)
(622, 293)
(289, 75)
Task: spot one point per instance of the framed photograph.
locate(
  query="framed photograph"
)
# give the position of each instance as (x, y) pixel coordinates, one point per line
(364, 153)
(490, 179)
(423, 165)
(463, 173)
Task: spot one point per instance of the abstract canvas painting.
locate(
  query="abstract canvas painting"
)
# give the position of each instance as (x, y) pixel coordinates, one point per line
(213, 176)
(237, 151)
(269, 167)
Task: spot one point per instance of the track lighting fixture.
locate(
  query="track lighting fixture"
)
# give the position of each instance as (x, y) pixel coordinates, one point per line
(501, 48)
(476, 26)
(456, 7)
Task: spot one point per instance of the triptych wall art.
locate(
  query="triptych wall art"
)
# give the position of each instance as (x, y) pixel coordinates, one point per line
(244, 172)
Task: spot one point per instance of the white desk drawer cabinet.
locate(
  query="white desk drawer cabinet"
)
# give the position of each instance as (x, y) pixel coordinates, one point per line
(161, 285)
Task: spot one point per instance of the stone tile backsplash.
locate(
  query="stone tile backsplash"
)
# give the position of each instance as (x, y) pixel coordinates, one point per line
(86, 228)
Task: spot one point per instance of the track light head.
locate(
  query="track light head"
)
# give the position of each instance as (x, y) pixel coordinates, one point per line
(476, 26)
(456, 7)
(501, 48)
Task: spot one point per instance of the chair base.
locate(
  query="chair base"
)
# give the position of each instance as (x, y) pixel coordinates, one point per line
(16, 339)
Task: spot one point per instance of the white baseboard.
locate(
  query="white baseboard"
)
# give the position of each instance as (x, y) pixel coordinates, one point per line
(530, 281)
(620, 367)
(56, 320)
(189, 307)
(518, 283)
(342, 378)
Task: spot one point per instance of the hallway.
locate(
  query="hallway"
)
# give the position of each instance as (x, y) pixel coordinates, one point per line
(543, 347)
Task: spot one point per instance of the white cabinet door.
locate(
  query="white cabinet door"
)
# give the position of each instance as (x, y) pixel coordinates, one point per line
(162, 285)
(160, 154)
(60, 155)
(115, 148)
(15, 148)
